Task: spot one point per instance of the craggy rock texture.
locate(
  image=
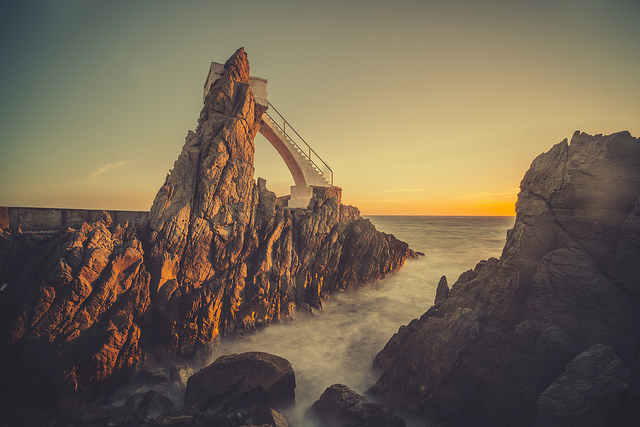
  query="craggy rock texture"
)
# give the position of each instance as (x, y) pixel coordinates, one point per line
(224, 258)
(73, 311)
(84, 307)
(567, 280)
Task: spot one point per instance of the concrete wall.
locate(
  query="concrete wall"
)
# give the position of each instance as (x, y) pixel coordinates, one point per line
(4, 217)
(47, 219)
(215, 72)
(259, 88)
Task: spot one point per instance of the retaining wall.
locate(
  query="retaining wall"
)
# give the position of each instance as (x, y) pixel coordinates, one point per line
(51, 219)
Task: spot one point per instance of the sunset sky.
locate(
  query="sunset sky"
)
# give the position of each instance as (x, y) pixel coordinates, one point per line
(420, 107)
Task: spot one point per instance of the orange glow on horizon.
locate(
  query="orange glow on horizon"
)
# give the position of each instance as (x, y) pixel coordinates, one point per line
(437, 208)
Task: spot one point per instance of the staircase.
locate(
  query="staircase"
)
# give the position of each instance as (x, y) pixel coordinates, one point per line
(315, 170)
(306, 166)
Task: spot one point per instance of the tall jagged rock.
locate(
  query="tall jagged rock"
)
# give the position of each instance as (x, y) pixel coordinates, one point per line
(567, 280)
(224, 257)
(82, 308)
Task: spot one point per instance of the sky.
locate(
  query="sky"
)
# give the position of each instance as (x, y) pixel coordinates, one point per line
(420, 107)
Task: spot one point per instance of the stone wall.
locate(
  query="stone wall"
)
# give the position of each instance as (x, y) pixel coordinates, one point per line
(48, 219)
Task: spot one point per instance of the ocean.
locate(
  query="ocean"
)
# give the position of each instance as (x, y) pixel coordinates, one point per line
(339, 343)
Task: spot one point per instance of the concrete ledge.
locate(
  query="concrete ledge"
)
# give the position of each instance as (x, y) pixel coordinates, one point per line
(53, 219)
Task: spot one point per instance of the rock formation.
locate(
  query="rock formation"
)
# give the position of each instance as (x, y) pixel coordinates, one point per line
(339, 406)
(224, 257)
(242, 379)
(73, 311)
(231, 392)
(442, 290)
(82, 308)
(568, 279)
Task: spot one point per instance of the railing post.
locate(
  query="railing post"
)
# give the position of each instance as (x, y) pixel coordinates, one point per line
(311, 150)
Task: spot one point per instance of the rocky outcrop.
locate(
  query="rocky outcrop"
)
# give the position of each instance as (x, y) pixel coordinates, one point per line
(73, 311)
(339, 406)
(242, 380)
(442, 290)
(225, 258)
(217, 257)
(567, 280)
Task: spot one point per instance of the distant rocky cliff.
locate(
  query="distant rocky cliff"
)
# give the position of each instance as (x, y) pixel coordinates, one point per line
(549, 334)
(217, 257)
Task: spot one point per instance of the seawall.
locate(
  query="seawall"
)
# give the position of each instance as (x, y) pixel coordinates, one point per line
(54, 219)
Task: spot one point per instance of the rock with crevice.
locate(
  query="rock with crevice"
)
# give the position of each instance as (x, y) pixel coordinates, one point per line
(566, 281)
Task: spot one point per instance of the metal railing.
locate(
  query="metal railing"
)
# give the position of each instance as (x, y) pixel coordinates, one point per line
(311, 152)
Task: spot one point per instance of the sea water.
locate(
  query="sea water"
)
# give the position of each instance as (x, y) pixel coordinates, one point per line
(338, 344)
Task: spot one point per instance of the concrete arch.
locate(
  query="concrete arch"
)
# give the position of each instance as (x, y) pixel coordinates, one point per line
(305, 173)
(296, 172)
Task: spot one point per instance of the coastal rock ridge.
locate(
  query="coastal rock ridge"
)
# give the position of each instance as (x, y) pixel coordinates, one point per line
(218, 256)
(549, 333)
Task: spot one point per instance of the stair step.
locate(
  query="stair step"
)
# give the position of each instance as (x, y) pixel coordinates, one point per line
(294, 148)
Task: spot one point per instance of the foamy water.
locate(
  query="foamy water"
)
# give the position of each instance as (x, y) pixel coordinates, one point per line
(338, 344)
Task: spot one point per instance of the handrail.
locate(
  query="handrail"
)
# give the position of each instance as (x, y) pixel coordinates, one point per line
(311, 150)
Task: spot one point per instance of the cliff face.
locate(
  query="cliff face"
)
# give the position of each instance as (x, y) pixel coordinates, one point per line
(568, 280)
(224, 257)
(73, 310)
(217, 257)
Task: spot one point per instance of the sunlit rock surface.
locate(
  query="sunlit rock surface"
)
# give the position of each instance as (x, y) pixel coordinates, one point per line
(83, 308)
(224, 257)
(73, 312)
(567, 280)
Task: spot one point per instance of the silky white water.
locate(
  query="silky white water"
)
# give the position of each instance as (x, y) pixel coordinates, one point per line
(338, 344)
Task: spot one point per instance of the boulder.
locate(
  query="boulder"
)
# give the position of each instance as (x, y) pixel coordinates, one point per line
(241, 380)
(339, 406)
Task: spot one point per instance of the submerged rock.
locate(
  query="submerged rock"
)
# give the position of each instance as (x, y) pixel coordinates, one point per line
(566, 281)
(339, 406)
